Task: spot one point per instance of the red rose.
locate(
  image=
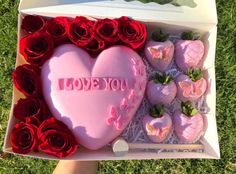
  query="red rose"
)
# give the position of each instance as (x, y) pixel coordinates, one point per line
(29, 107)
(56, 139)
(26, 79)
(56, 27)
(95, 46)
(132, 33)
(80, 31)
(37, 47)
(107, 30)
(32, 23)
(24, 138)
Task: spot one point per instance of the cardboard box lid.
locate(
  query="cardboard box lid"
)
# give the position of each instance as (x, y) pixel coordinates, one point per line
(204, 11)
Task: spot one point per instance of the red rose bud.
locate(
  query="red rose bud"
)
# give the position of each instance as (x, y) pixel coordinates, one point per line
(26, 79)
(37, 48)
(29, 107)
(32, 23)
(95, 46)
(24, 138)
(56, 139)
(56, 27)
(132, 33)
(80, 31)
(107, 30)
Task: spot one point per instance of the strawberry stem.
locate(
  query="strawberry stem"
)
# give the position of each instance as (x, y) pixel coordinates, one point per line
(162, 78)
(159, 36)
(188, 109)
(189, 35)
(156, 111)
(195, 75)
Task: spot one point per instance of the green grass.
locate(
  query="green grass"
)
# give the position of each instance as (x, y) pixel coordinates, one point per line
(226, 105)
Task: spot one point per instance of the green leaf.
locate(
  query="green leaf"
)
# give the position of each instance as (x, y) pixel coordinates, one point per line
(195, 75)
(162, 78)
(156, 111)
(188, 109)
(159, 36)
(194, 111)
(189, 35)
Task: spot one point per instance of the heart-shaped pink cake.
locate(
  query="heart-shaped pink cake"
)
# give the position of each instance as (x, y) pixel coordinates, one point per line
(95, 98)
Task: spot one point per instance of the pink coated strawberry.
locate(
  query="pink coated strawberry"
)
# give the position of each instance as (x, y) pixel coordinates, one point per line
(188, 123)
(157, 124)
(159, 51)
(161, 90)
(192, 86)
(189, 52)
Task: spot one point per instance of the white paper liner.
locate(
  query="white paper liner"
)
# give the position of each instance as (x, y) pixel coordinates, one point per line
(134, 132)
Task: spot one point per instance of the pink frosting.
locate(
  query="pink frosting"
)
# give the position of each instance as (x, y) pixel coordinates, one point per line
(159, 54)
(189, 54)
(157, 129)
(161, 94)
(187, 90)
(188, 129)
(105, 82)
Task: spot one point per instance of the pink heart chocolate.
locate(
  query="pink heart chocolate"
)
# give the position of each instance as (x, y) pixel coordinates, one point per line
(95, 98)
(188, 129)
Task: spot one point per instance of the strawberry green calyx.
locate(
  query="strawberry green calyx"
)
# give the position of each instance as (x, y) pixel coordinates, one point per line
(159, 36)
(188, 109)
(195, 75)
(189, 35)
(156, 111)
(162, 78)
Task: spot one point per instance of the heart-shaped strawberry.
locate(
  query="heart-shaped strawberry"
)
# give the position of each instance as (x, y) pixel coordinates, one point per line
(157, 124)
(159, 51)
(95, 98)
(188, 123)
(192, 86)
(189, 52)
(161, 90)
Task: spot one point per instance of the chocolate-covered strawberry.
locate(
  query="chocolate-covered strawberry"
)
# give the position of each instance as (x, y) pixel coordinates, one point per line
(191, 86)
(157, 124)
(188, 123)
(159, 51)
(161, 90)
(189, 51)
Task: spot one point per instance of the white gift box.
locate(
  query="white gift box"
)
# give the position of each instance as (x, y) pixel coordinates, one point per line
(174, 19)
